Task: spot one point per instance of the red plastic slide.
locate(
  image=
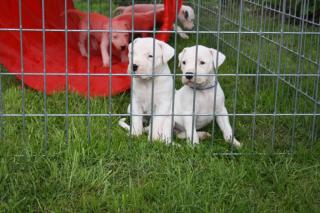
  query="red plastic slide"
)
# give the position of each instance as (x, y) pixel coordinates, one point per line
(55, 67)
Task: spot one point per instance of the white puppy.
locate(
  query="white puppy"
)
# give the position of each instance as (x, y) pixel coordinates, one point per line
(186, 18)
(141, 66)
(185, 15)
(120, 40)
(207, 61)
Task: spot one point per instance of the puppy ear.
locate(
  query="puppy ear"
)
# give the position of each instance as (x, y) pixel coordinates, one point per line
(186, 14)
(218, 57)
(135, 40)
(132, 43)
(130, 46)
(130, 57)
(180, 56)
(167, 51)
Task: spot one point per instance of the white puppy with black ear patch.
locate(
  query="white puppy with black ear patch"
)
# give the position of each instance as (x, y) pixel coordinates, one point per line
(141, 66)
(207, 61)
(186, 18)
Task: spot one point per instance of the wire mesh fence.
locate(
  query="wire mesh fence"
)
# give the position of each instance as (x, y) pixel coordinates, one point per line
(276, 46)
(270, 76)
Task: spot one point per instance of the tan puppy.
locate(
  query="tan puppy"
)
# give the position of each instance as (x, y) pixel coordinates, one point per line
(120, 40)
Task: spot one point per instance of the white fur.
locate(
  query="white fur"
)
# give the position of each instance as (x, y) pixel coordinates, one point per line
(142, 87)
(207, 60)
(187, 22)
(185, 17)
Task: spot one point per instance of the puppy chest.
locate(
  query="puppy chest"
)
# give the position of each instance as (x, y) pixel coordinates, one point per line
(146, 100)
(205, 102)
(159, 95)
(204, 109)
(202, 121)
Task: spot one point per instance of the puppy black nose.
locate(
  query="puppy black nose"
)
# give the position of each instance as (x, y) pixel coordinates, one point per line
(135, 67)
(123, 48)
(189, 75)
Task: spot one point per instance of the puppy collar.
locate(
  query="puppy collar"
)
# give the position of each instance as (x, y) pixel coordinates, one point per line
(205, 88)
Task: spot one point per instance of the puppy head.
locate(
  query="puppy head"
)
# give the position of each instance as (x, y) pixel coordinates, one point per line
(143, 55)
(207, 60)
(120, 39)
(186, 17)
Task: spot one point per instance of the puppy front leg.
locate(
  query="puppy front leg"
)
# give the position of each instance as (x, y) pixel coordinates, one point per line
(104, 50)
(94, 43)
(155, 132)
(181, 34)
(167, 129)
(81, 44)
(224, 124)
(136, 120)
(162, 122)
(191, 130)
(124, 56)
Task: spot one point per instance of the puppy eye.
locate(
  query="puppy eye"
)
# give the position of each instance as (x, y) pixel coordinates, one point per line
(202, 62)
(184, 62)
(150, 56)
(114, 37)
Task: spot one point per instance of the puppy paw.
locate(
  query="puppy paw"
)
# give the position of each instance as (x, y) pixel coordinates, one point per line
(84, 54)
(184, 36)
(167, 141)
(181, 135)
(174, 144)
(136, 133)
(235, 143)
(203, 135)
(162, 138)
(82, 50)
(105, 64)
(122, 123)
(194, 142)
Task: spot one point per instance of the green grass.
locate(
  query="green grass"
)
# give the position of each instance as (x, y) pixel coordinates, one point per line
(140, 176)
(113, 172)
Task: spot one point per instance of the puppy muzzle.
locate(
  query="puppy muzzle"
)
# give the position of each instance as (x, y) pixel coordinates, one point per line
(190, 79)
(189, 75)
(123, 48)
(136, 74)
(188, 25)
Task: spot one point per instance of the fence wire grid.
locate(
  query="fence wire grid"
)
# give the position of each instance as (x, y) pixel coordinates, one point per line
(270, 76)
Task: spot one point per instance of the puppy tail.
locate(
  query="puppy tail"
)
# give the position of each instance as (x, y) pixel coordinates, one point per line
(123, 124)
(119, 10)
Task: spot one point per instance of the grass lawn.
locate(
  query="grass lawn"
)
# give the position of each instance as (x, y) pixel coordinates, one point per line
(90, 164)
